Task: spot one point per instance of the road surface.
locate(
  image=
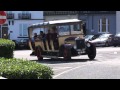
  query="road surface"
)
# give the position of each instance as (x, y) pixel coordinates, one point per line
(105, 66)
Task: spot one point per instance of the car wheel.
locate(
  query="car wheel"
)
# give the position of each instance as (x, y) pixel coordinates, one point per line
(106, 44)
(115, 45)
(92, 52)
(38, 52)
(67, 54)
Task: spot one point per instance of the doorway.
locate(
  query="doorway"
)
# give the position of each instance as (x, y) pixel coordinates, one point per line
(4, 31)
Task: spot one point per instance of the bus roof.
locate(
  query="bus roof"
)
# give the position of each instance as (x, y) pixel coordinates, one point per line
(55, 22)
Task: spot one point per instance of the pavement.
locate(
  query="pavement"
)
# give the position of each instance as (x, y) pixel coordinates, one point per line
(106, 64)
(24, 54)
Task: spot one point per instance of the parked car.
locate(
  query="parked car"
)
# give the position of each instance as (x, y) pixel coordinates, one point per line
(116, 40)
(88, 37)
(104, 40)
(21, 43)
(92, 37)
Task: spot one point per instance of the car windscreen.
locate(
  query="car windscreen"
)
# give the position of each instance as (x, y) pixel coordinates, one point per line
(88, 36)
(95, 36)
(104, 36)
(64, 30)
(21, 40)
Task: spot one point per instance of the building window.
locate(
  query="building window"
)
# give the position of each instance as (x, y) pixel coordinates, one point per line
(9, 11)
(12, 22)
(25, 12)
(23, 30)
(20, 30)
(103, 25)
(9, 22)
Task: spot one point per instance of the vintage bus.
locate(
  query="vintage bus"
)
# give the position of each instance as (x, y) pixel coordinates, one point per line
(60, 38)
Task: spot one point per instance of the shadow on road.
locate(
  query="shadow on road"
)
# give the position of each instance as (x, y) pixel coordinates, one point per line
(57, 61)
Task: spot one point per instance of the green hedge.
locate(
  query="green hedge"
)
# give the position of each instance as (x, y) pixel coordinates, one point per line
(6, 48)
(24, 69)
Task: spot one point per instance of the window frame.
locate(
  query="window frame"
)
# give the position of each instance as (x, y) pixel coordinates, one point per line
(69, 24)
(22, 28)
(101, 24)
(69, 31)
(25, 12)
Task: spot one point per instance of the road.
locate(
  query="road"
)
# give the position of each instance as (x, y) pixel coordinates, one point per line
(105, 66)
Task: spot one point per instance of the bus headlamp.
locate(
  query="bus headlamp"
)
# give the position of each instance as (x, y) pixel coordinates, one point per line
(88, 45)
(74, 47)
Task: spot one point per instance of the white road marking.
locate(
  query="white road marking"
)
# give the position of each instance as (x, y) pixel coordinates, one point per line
(2, 17)
(115, 52)
(67, 71)
(59, 68)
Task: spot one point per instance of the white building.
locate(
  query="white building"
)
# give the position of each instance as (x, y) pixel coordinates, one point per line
(60, 15)
(18, 22)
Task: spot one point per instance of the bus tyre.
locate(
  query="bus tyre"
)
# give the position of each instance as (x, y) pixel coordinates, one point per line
(115, 45)
(92, 52)
(67, 54)
(38, 52)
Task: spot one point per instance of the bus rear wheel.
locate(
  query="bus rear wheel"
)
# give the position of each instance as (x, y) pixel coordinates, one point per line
(67, 54)
(38, 52)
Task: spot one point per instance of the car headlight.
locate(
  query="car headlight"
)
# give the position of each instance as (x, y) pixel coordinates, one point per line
(88, 45)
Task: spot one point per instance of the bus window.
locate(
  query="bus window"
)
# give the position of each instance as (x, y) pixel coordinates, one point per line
(75, 29)
(37, 30)
(64, 30)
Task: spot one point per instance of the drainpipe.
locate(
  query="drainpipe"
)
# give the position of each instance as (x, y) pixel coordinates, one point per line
(92, 23)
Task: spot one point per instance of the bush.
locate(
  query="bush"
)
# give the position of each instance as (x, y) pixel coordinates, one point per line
(6, 48)
(23, 69)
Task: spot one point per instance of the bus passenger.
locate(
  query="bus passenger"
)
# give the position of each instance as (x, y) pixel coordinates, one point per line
(49, 37)
(33, 43)
(55, 39)
(43, 38)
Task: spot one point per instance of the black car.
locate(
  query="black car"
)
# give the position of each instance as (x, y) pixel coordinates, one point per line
(116, 40)
(22, 43)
